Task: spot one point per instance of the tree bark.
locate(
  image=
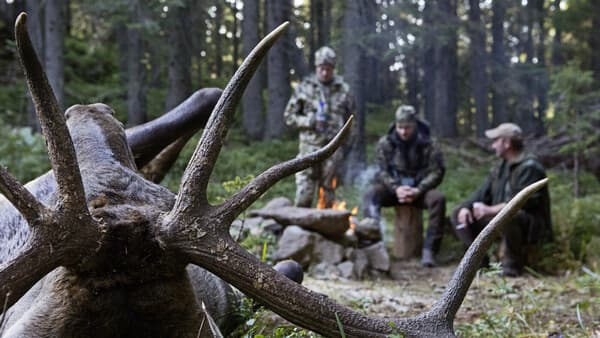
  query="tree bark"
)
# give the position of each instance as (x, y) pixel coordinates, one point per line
(429, 65)
(445, 79)
(594, 42)
(354, 74)
(180, 49)
(557, 52)
(35, 24)
(478, 63)
(252, 105)
(278, 71)
(499, 63)
(218, 55)
(54, 59)
(136, 71)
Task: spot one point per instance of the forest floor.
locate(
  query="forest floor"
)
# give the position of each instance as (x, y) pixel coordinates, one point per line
(529, 306)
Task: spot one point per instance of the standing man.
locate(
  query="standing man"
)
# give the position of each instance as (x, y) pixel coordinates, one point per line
(410, 167)
(516, 170)
(319, 107)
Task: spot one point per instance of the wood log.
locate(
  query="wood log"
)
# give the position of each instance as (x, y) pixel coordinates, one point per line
(328, 222)
(408, 232)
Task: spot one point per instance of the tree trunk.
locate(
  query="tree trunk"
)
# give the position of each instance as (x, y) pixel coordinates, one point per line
(429, 65)
(217, 38)
(541, 81)
(478, 62)
(594, 42)
(412, 80)
(54, 59)
(557, 52)
(278, 71)
(235, 40)
(136, 71)
(35, 13)
(180, 49)
(252, 106)
(354, 74)
(499, 63)
(445, 78)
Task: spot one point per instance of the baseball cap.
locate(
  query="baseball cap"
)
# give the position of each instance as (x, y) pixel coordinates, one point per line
(508, 129)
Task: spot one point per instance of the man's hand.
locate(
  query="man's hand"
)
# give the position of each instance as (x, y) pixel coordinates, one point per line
(465, 216)
(481, 210)
(407, 194)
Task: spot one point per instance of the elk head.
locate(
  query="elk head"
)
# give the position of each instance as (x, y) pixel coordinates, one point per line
(131, 239)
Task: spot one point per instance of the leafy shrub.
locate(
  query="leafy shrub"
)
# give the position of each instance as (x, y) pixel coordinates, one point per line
(23, 153)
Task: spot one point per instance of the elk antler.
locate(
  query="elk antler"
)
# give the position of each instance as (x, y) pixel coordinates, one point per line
(199, 233)
(65, 234)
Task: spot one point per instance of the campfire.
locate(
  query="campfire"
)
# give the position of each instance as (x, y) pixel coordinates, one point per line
(337, 205)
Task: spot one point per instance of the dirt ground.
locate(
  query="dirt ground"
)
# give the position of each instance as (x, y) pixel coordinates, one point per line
(528, 306)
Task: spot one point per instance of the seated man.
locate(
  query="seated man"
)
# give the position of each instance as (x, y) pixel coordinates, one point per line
(410, 167)
(516, 170)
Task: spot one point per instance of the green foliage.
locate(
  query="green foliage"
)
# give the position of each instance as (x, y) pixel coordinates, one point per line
(23, 153)
(239, 159)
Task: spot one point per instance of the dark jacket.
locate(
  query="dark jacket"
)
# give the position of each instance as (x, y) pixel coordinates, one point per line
(505, 180)
(417, 159)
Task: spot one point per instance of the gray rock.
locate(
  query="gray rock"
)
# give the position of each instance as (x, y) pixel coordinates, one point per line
(361, 262)
(377, 256)
(368, 229)
(278, 202)
(327, 251)
(297, 244)
(324, 270)
(347, 269)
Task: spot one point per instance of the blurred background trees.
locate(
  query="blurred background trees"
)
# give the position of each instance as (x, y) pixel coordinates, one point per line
(465, 65)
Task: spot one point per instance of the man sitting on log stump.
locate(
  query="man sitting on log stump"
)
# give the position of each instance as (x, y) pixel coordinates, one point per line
(410, 167)
(517, 169)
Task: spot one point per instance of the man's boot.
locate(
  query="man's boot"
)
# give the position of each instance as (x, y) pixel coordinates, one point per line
(428, 259)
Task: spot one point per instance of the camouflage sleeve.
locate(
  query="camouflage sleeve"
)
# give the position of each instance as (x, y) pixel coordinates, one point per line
(435, 170)
(294, 115)
(383, 174)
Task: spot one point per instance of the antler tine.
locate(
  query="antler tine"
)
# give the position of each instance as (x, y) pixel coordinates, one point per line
(193, 186)
(447, 306)
(15, 281)
(53, 124)
(31, 209)
(253, 190)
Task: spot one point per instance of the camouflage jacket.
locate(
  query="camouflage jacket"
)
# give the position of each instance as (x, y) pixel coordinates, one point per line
(505, 180)
(301, 110)
(416, 162)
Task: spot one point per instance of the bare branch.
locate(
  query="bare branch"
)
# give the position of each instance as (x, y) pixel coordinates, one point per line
(258, 186)
(447, 306)
(195, 178)
(53, 124)
(31, 209)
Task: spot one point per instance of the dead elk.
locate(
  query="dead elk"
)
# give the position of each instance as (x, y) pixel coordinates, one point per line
(106, 252)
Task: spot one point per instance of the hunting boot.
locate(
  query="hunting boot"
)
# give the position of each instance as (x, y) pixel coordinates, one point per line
(428, 259)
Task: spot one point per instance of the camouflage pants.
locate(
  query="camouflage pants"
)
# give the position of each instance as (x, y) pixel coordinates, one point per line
(322, 175)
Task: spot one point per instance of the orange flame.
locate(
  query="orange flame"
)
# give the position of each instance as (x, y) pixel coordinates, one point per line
(337, 205)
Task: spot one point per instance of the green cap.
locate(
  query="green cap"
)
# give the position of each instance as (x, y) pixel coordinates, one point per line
(406, 114)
